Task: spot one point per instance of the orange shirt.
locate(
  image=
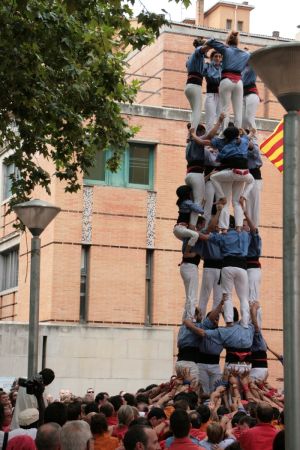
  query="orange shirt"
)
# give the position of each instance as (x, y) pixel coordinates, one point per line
(105, 442)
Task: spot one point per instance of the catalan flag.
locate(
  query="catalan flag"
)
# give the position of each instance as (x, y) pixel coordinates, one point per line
(273, 147)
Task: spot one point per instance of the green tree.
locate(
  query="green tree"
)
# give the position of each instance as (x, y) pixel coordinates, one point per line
(62, 79)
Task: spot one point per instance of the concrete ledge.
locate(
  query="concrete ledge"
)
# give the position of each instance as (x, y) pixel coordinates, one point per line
(183, 115)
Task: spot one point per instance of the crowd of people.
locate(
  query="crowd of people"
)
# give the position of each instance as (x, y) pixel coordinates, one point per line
(202, 406)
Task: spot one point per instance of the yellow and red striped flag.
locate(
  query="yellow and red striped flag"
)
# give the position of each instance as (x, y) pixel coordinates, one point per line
(272, 147)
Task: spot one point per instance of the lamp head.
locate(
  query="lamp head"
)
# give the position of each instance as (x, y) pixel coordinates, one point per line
(278, 66)
(36, 215)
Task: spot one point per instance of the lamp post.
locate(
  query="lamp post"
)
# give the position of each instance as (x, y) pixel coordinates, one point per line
(35, 215)
(279, 68)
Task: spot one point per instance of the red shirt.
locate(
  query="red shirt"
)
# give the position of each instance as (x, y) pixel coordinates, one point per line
(198, 434)
(259, 437)
(184, 444)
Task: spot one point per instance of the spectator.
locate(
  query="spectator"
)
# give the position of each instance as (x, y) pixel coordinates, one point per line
(215, 435)
(101, 398)
(29, 418)
(74, 411)
(180, 425)
(140, 437)
(90, 395)
(21, 443)
(129, 399)
(108, 410)
(75, 435)
(156, 416)
(262, 435)
(102, 438)
(56, 412)
(48, 437)
(279, 443)
(125, 416)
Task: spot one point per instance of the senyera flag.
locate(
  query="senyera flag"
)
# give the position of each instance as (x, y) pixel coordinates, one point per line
(273, 147)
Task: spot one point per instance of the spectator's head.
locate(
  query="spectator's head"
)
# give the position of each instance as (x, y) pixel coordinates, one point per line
(107, 409)
(101, 398)
(195, 419)
(90, 394)
(129, 399)
(4, 399)
(74, 411)
(279, 442)
(140, 421)
(180, 424)
(48, 437)
(222, 410)
(246, 422)
(182, 404)
(215, 433)
(65, 395)
(13, 397)
(99, 424)
(142, 402)
(151, 386)
(237, 417)
(234, 446)
(75, 435)
(91, 407)
(156, 416)
(125, 415)
(28, 418)
(204, 412)
(21, 443)
(264, 413)
(56, 412)
(116, 401)
(233, 38)
(48, 376)
(140, 437)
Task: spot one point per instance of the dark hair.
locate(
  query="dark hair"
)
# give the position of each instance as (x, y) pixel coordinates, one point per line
(134, 435)
(48, 376)
(116, 401)
(151, 386)
(100, 396)
(91, 407)
(222, 410)
(180, 423)
(281, 417)
(140, 421)
(213, 53)
(279, 443)
(231, 133)
(183, 193)
(181, 404)
(234, 446)
(264, 412)
(251, 409)
(233, 38)
(98, 424)
(237, 417)
(204, 412)
(141, 398)
(1, 415)
(107, 409)
(250, 421)
(195, 419)
(156, 412)
(276, 413)
(198, 42)
(130, 399)
(74, 411)
(56, 412)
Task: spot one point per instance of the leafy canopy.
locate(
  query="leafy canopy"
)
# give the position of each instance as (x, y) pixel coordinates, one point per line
(62, 75)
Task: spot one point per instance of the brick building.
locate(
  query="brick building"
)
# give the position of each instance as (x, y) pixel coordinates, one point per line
(111, 294)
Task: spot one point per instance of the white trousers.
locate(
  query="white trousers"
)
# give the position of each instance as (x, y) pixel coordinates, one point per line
(193, 93)
(250, 105)
(231, 92)
(212, 110)
(228, 183)
(197, 184)
(235, 277)
(259, 373)
(190, 276)
(182, 232)
(208, 375)
(210, 280)
(209, 200)
(192, 367)
(254, 282)
(253, 203)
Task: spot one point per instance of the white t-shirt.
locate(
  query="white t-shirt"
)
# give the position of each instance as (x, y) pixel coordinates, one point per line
(18, 432)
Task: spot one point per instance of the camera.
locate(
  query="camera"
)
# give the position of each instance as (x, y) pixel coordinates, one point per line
(34, 386)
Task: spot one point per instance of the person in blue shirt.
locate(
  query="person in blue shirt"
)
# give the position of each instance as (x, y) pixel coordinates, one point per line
(231, 85)
(212, 73)
(234, 250)
(193, 88)
(234, 180)
(250, 97)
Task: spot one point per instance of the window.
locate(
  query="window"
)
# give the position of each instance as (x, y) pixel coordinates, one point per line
(228, 24)
(136, 169)
(149, 287)
(84, 272)
(240, 25)
(9, 268)
(8, 171)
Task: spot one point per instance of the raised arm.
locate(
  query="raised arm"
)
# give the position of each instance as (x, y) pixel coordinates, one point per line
(216, 127)
(249, 221)
(189, 324)
(216, 312)
(253, 312)
(197, 139)
(214, 219)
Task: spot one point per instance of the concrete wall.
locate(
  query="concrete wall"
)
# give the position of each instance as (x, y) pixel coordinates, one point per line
(107, 359)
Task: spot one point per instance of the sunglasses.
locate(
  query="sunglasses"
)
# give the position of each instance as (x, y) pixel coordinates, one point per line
(90, 392)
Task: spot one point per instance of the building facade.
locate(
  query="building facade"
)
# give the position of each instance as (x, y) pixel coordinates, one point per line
(109, 261)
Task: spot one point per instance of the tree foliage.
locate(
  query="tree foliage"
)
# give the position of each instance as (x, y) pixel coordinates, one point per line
(62, 79)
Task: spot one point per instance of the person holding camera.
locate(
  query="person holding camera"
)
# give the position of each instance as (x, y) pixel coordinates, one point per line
(30, 395)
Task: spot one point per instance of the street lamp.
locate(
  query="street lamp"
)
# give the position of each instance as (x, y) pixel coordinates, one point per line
(279, 68)
(35, 215)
